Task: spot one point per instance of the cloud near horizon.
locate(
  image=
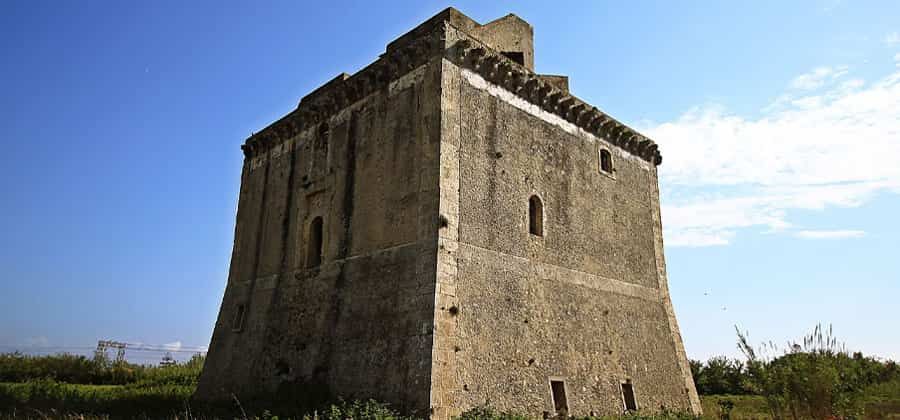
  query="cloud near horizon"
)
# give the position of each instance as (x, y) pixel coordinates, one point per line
(828, 141)
(829, 234)
(172, 346)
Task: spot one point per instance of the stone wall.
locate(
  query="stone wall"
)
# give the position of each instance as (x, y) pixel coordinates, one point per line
(432, 294)
(582, 303)
(361, 323)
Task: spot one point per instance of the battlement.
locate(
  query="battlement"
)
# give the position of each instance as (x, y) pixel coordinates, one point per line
(502, 51)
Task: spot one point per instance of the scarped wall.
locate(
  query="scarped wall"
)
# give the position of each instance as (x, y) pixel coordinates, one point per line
(359, 324)
(583, 303)
(432, 295)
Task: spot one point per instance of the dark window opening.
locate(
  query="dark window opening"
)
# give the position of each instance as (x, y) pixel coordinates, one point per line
(517, 56)
(238, 322)
(282, 368)
(628, 396)
(314, 245)
(606, 161)
(558, 390)
(535, 216)
(323, 132)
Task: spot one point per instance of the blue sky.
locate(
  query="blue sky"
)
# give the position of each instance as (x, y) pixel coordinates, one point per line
(779, 124)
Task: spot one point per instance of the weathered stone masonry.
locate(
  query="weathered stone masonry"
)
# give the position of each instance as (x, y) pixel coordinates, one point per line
(427, 285)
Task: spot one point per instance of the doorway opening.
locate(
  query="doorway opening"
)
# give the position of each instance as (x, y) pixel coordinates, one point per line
(558, 391)
(628, 396)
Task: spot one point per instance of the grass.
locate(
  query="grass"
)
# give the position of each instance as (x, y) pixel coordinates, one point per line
(882, 402)
(50, 399)
(123, 401)
(746, 407)
(46, 398)
(37, 389)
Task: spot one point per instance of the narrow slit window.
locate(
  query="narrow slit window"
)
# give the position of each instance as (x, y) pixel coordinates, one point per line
(323, 141)
(628, 396)
(606, 161)
(314, 245)
(558, 392)
(535, 216)
(237, 323)
(324, 132)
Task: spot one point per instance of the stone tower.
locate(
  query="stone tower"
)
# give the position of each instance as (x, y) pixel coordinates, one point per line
(447, 228)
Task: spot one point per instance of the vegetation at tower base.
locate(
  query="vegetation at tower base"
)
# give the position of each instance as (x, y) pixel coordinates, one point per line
(485, 412)
(813, 379)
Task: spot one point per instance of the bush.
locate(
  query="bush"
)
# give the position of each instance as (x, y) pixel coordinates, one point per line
(117, 401)
(76, 369)
(719, 375)
(368, 409)
(817, 379)
(487, 413)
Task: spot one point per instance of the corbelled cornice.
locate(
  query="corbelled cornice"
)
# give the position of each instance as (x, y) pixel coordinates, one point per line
(471, 54)
(339, 94)
(500, 70)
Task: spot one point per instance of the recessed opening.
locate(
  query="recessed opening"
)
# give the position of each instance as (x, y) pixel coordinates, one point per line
(324, 131)
(237, 323)
(314, 245)
(535, 216)
(606, 161)
(558, 391)
(517, 56)
(628, 396)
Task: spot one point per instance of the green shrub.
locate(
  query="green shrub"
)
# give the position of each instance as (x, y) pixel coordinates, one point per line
(817, 379)
(114, 400)
(368, 409)
(486, 413)
(76, 369)
(719, 375)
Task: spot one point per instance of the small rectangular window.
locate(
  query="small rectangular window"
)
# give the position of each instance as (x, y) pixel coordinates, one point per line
(558, 391)
(628, 396)
(314, 244)
(606, 161)
(535, 216)
(237, 323)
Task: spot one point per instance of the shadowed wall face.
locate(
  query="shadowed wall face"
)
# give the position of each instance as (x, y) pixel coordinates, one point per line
(334, 256)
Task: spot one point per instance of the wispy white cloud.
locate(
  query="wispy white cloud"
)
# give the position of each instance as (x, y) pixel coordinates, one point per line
(818, 77)
(829, 234)
(172, 346)
(892, 39)
(823, 148)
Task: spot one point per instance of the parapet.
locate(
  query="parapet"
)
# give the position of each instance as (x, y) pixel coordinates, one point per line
(510, 34)
(501, 51)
